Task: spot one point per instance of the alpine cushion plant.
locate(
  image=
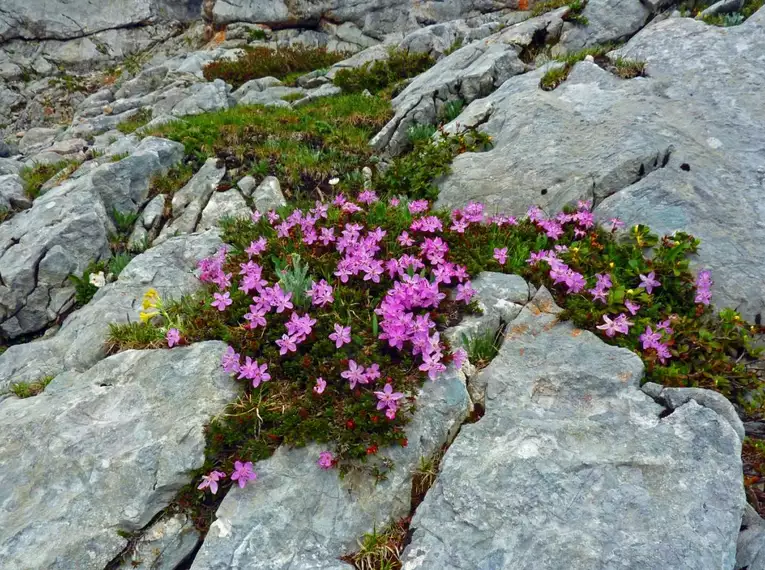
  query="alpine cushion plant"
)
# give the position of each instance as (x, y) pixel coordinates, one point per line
(382, 279)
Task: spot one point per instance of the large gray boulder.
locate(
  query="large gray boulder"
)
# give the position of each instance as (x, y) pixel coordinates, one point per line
(81, 340)
(633, 146)
(573, 466)
(102, 451)
(374, 18)
(608, 21)
(62, 19)
(65, 230)
(472, 72)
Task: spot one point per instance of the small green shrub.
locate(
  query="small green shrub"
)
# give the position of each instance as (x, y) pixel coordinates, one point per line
(118, 157)
(281, 63)
(84, 290)
(172, 181)
(629, 69)
(451, 110)
(34, 177)
(554, 77)
(29, 389)
(383, 73)
(256, 35)
(420, 133)
(482, 348)
(118, 263)
(140, 119)
(415, 174)
(294, 278)
(575, 10)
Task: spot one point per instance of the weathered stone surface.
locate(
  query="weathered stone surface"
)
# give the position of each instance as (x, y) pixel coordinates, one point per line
(270, 96)
(630, 146)
(750, 549)
(471, 72)
(221, 205)
(164, 545)
(572, 464)
(66, 229)
(80, 341)
(721, 7)
(247, 185)
(60, 19)
(103, 450)
(205, 97)
(255, 85)
(12, 195)
(268, 195)
(674, 398)
(298, 516)
(608, 21)
(37, 139)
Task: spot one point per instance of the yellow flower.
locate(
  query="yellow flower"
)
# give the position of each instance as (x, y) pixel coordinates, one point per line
(146, 317)
(150, 299)
(611, 265)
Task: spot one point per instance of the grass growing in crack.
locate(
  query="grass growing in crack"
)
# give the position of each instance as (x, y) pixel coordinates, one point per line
(622, 67)
(5, 214)
(576, 7)
(483, 347)
(173, 180)
(420, 133)
(383, 74)
(451, 110)
(138, 120)
(283, 63)
(33, 178)
(380, 550)
(554, 76)
(723, 20)
(30, 389)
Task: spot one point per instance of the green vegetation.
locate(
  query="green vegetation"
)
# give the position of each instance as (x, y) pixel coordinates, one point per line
(624, 68)
(5, 214)
(628, 68)
(33, 178)
(554, 77)
(29, 389)
(283, 63)
(576, 7)
(693, 9)
(140, 119)
(256, 35)
(482, 348)
(383, 74)
(292, 97)
(380, 550)
(303, 147)
(173, 180)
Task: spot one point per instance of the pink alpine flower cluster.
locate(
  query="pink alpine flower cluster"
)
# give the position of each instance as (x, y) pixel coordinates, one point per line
(652, 340)
(242, 474)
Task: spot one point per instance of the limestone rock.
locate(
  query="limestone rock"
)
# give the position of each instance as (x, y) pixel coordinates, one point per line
(164, 545)
(12, 195)
(268, 195)
(221, 205)
(572, 462)
(205, 97)
(80, 341)
(630, 146)
(103, 450)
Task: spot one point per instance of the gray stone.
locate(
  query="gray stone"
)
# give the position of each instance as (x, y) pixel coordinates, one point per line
(65, 230)
(367, 56)
(145, 82)
(750, 549)
(630, 146)
(228, 204)
(204, 98)
(326, 90)
(10, 166)
(573, 466)
(164, 545)
(68, 146)
(12, 195)
(270, 96)
(80, 341)
(721, 7)
(673, 398)
(268, 195)
(472, 72)
(5, 150)
(247, 185)
(255, 85)
(45, 158)
(103, 450)
(152, 213)
(310, 517)
(36, 139)
(608, 21)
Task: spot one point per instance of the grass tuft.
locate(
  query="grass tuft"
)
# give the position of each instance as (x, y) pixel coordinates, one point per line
(33, 178)
(140, 119)
(30, 389)
(383, 74)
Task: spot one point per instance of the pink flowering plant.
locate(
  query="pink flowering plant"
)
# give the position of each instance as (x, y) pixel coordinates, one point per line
(334, 314)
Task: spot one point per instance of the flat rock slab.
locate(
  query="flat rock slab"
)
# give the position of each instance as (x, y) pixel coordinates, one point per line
(572, 467)
(680, 149)
(102, 451)
(299, 517)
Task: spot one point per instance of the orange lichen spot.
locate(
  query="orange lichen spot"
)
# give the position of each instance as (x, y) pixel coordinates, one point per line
(219, 37)
(523, 4)
(624, 376)
(576, 332)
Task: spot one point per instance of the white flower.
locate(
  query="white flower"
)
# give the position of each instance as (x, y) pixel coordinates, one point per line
(334, 181)
(98, 279)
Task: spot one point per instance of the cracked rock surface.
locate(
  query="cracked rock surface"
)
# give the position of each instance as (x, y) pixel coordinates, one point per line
(572, 466)
(101, 451)
(677, 150)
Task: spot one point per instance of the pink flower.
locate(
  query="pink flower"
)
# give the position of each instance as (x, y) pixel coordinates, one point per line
(418, 206)
(367, 197)
(256, 247)
(211, 481)
(325, 460)
(173, 337)
(394, 202)
(255, 216)
(341, 336)
(648, 282)
(704, 287)
(618, 325)
(633, 308)
(253, 371)
(354, 374)
(388, 397)
(616, 223)
(243, 473)
(650, 339)
(390, 413)
(221, 301)
(459, 357)
(465, 292)
(321, 384)
(500, 255)
(287, 344)
(404, 239)
(230, 361)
